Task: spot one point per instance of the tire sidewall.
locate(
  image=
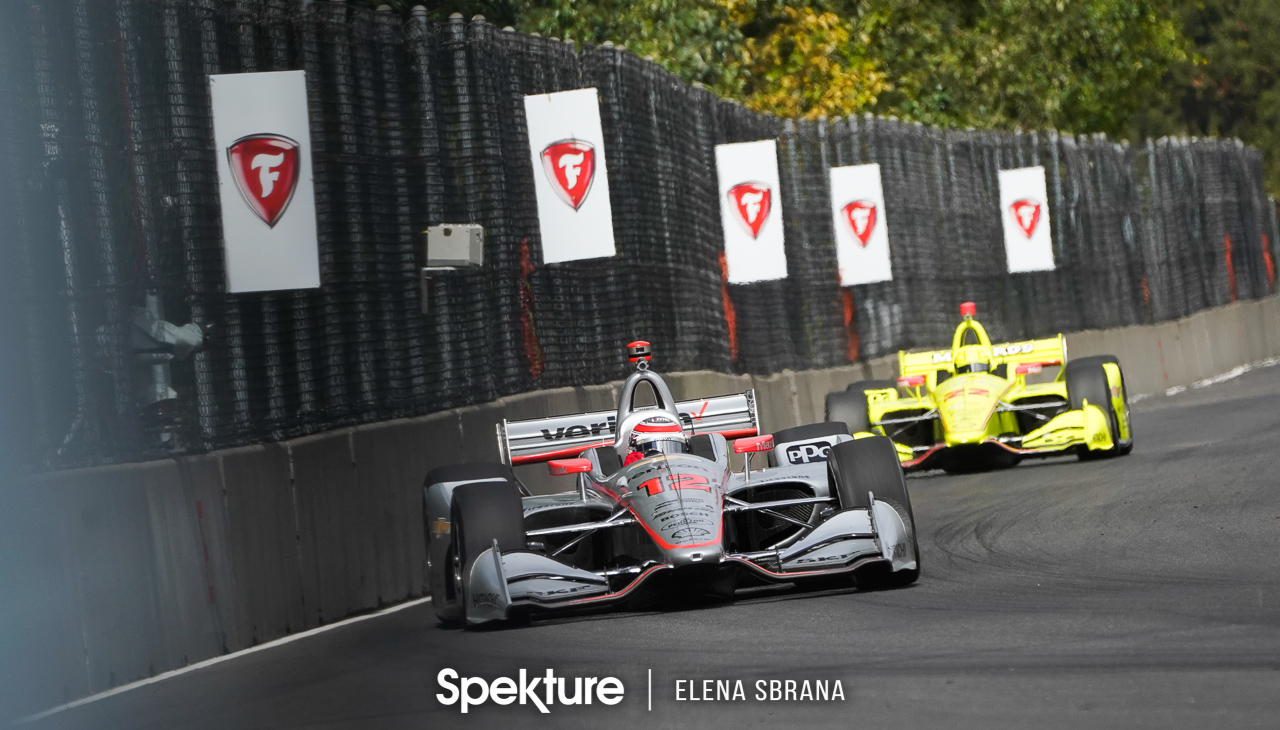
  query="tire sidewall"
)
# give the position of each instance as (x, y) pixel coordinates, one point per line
(1086, 379)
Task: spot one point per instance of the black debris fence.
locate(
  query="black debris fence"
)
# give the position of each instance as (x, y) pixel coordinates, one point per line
(111, 219)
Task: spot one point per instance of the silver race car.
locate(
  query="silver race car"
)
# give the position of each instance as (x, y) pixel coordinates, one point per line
(658, 509)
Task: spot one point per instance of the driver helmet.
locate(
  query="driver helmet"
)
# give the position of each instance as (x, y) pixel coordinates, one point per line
(972, 359)
(659, 437)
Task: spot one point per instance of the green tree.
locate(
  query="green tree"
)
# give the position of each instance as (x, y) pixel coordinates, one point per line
(1074, 65)
(698, 40)
(1129, 68)
(1228, 87)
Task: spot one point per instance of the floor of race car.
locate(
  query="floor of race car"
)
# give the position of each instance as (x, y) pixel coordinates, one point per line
(1142, 591)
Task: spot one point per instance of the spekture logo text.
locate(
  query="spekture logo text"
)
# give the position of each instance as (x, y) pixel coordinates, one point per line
(543, 692)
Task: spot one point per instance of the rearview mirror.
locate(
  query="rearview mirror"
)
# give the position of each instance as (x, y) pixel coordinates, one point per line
(754, 444)
(911, 381)
(562, 467)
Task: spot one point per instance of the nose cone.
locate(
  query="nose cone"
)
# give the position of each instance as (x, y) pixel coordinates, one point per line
(707, 555)
(678, 500)
(966, 405)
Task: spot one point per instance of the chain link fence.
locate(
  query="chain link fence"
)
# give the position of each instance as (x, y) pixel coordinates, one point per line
(111, 209)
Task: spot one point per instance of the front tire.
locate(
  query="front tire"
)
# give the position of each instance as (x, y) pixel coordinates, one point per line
(444, 597)
(480, 514)
(865, 465)
(1087, 380)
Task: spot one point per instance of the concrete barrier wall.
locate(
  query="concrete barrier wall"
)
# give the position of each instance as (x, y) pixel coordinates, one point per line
(115, 574)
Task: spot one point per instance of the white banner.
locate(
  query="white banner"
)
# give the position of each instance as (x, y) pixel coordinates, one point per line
(862, 231)
(263, 141)
(572, 183)
(751, 211)
(1024, 209)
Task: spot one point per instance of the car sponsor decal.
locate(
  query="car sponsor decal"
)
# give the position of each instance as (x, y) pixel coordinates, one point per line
(880, 396)
(540, 439)
(439, 527)
(1013, 349)
(809, 452)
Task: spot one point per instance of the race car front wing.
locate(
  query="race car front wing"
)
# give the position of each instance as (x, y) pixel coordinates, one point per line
(847, 541)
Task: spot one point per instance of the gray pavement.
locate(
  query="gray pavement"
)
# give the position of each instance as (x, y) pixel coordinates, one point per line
(1134, 592)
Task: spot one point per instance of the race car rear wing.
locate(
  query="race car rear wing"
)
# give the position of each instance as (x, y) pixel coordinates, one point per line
(542, 439)
(1049, 351)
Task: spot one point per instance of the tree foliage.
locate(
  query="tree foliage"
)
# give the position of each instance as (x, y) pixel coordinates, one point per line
(1073, 65)
(1228, 88)
(1129, 68)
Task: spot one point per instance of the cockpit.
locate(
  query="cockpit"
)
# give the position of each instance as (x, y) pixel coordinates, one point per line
(648, 430)
(972, 359)
(970, 347)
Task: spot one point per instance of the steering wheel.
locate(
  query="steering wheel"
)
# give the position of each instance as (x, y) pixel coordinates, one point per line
(628, 425)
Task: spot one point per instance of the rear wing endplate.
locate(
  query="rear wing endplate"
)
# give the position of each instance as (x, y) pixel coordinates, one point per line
(542, 439)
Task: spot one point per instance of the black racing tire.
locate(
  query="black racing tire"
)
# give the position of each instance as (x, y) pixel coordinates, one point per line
(1122, 447)
(445, 602)
(807, 431)
(473, 472)
(480, 514)
(1087, 380)
(864, 465)
(850, 406)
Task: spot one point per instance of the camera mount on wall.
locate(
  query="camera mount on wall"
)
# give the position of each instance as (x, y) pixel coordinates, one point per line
(446, 250)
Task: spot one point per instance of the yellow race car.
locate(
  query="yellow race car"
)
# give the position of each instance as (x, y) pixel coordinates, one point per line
(972, 407)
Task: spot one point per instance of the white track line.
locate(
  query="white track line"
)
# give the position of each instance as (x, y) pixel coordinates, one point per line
(1231, 374)
(220, 659)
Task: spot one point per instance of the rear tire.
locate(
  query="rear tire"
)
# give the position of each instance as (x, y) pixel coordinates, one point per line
(850, 406)
(482, 513)
(1087, 380)
(864, 465)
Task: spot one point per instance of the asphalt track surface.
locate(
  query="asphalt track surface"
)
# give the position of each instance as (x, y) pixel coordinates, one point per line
(1135, 592)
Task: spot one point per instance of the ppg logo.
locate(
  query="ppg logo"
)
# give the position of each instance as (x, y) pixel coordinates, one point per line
(808, 453)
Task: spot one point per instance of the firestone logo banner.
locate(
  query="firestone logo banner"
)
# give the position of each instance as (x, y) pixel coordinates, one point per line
(751, 211)
(265, 168)
(261, 128)
(570, 166)
(752, 201)
(861, 227)
(1026, 213)
(571, 178)
(862, 217)
(1028, 239)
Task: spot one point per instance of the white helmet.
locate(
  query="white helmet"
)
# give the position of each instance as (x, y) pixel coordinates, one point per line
(659, 435)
